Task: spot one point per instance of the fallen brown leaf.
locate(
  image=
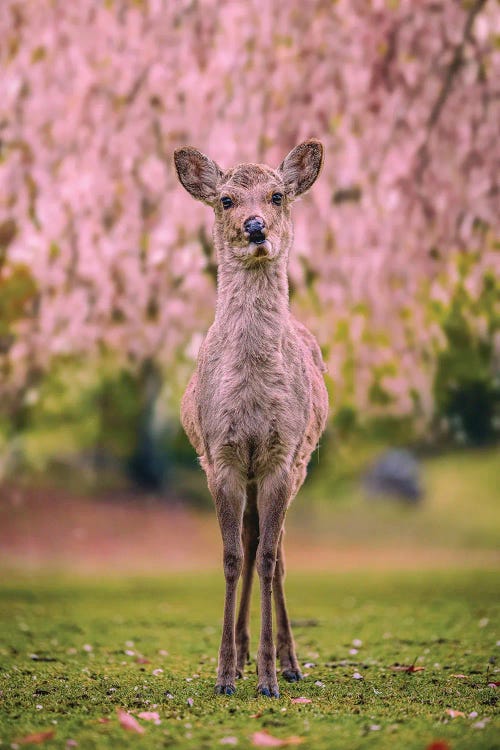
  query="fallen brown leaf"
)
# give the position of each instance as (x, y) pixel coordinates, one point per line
(409, 668)
(36, 738)
(453, 713)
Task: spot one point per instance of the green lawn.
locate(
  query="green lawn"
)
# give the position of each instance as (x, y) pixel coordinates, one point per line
(460, 509)
(64, 664)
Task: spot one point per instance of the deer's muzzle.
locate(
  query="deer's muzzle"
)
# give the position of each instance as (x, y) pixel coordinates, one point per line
(255, 229)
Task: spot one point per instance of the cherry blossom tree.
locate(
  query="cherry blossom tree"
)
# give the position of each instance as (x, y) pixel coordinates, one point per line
(94, 97)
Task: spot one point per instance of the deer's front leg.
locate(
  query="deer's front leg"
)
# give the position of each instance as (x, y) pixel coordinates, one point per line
(228, 490)
(250, 540)
(273, 497)
(290, 668)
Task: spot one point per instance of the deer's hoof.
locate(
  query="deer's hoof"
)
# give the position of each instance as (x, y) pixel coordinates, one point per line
(225, 689)
(269, 692)
(292, 675)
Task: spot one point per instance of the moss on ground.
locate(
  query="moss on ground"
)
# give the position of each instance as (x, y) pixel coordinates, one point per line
(72, 652)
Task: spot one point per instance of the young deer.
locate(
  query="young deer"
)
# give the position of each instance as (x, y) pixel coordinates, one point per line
(257, 403)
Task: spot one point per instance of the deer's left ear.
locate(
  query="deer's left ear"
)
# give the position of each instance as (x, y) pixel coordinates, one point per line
(300, 169)
(199, 174)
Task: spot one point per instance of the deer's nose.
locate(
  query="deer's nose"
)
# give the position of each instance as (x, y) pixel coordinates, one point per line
(254, 225)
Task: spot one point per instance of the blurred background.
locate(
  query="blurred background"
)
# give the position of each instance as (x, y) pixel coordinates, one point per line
(108, 275)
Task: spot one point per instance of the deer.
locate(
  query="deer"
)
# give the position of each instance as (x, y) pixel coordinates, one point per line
(257, 403)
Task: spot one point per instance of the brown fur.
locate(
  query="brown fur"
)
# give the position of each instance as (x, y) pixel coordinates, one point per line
(257, 404)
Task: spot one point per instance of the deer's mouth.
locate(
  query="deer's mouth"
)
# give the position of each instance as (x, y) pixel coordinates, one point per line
(261, 250)
(258, 238)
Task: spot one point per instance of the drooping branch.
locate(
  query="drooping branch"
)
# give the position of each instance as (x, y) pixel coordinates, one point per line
(423, 156)
(455, 64)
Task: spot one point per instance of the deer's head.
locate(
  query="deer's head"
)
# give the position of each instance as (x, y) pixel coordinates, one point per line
(251, 201)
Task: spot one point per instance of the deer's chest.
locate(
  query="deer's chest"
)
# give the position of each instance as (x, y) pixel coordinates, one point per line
(254, 400)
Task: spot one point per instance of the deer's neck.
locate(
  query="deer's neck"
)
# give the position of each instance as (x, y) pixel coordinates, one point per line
(252, 306)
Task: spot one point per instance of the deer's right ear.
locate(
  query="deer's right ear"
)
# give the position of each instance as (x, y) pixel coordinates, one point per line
(300, 169)
(199, 174)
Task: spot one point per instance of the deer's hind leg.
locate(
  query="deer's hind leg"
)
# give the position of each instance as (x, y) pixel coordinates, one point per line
(250, 539)
(285, 645)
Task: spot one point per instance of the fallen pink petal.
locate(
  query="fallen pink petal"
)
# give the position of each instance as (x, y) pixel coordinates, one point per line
(302, 699)
(264, 739)
(128, 722)
(482, 723)
(150, 716)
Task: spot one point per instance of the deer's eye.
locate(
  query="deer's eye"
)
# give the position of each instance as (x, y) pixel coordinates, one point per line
(226, 202)
(277, 198)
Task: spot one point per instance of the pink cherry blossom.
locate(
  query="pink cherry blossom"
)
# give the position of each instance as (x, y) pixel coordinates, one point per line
(94, 98)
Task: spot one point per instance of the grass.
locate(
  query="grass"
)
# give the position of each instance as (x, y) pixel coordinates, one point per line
(331, 525)
(460, 509)
(72, 651)
(64, 663)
